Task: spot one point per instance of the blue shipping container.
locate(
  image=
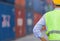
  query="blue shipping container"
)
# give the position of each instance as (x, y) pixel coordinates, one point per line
(10, 1)
(29, 4)
(7, 23)
(1, 0)
(29, 22)
(39, 6)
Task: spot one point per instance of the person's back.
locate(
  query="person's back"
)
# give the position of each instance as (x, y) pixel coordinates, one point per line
(53, 24)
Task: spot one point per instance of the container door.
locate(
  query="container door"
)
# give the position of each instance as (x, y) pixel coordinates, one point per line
(6, 22)
(29, 22)
(20, 22)
(20, 3)
(29, 4)
(10, 1)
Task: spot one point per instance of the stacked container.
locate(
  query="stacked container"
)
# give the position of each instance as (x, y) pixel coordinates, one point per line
(20, 18)
(29, 22)
(39, 6)
(29, 4)
(20, 3)
(37, 17)
(10, 1)
(20, 22)
(29, 17)
(1, 0)
(7, 22)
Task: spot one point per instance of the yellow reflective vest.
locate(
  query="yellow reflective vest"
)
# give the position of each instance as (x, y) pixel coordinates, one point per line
(52, 19)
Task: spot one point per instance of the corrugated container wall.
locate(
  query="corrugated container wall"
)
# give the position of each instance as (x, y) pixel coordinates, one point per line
(37, 17)
(20, 3)
(29, 22)
(7, 22)
(29, 17)
(10, 1)
(29, 4)
(20, 18)
(39, 6)
(1, 0)
(20, 22)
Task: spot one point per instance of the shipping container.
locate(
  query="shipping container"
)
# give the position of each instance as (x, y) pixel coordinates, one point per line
(20, 22)
(21, 3)
(1, 0)
(7, 23)
(29, 4)
(39, 6)
(29, 22)
(10, 1)
(37, 17)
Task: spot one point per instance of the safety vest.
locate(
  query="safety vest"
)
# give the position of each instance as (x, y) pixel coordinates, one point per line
(52, 19)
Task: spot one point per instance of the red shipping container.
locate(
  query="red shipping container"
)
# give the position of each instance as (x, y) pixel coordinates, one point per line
(37, 16)
(20, 22)
(20, 3)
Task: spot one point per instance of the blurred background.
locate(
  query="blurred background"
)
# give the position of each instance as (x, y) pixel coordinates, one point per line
(18, 17)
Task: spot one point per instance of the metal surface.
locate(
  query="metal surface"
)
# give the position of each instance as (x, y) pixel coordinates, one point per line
(6, 22)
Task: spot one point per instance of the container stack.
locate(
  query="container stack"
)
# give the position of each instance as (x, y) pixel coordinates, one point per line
(20, 18)
(37, 10)
(29, 22)
(20, 3)
(29, 17)
(10, 1)
(37, 17)
(7, 22)
(39, 6)
(20, 22)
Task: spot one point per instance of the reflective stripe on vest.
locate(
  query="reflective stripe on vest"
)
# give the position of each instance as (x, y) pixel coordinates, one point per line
(53, 24)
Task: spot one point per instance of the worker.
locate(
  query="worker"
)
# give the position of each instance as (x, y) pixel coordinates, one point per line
(52, 22)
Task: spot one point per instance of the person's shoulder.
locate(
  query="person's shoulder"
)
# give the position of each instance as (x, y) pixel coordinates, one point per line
(50, 12)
